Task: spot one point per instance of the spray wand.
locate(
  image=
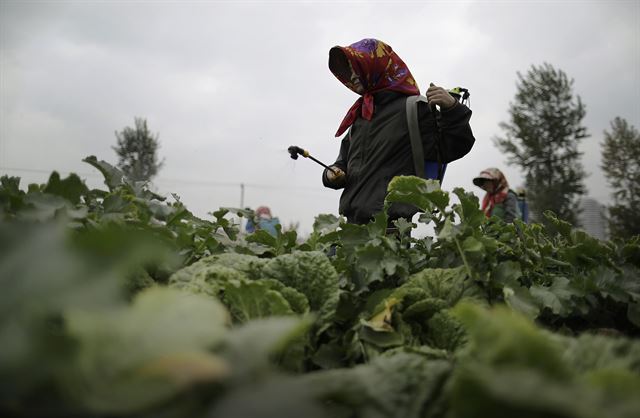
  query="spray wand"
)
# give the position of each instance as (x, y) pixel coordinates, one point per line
(295, 151)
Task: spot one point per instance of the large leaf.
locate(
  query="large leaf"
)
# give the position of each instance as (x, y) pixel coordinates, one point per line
(509, 359)
(41, 275)
(250, 265)
(424, 194)
(481, 391)
(310, 273)
(449, 285)
(326, 223)
(556, 297)
(424, 309)
(503, 338)
(252, 346)
(254, 299)
(113, 177)
(204, 271)
(519, 298)
(281, 243)
(374, 264)
(449, 230)
(136, 357)
(469, 209)
(588, 353)
(445, 331)
(400, 383)
(507, 272)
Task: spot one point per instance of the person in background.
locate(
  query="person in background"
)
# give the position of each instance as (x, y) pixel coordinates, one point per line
(377, 145)
(263, 221)
(499, 200)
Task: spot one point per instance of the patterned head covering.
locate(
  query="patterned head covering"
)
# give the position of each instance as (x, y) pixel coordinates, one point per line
(263, 212)
(374, 67)
(500, 191)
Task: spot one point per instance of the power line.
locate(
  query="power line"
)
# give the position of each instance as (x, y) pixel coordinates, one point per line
(207, 183)
(35, 170)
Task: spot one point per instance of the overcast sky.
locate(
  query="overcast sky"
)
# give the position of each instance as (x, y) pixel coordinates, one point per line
(228, 86)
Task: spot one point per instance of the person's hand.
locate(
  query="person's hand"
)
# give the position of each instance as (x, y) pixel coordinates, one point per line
(336, 175)
(439, 96)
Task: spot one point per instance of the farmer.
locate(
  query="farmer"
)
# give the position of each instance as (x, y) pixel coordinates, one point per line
(264, 221)
(376, 146)
(499, 201)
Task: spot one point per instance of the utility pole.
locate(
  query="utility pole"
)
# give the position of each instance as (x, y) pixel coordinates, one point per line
(240, 222)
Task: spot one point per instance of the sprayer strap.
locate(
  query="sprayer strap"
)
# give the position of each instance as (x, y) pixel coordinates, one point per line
(414, 133)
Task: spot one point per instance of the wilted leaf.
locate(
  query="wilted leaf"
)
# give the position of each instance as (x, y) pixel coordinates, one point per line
(184, 369)
(381, 321)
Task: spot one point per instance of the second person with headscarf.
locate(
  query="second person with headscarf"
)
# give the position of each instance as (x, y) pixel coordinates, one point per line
(499, 200)
(377, 145)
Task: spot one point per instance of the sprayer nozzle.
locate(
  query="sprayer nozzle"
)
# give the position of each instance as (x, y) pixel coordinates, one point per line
(295, 151)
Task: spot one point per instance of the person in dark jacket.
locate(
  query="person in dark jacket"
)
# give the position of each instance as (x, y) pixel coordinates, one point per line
(377, 145)
(499, 201)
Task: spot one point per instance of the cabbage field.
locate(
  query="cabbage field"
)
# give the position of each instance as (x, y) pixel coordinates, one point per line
(119, 303)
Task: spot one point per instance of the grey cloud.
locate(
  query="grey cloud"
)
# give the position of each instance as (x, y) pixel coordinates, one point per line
(228, 86)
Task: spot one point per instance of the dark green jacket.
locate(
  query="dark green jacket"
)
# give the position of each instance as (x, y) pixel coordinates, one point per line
(375, 151)
(508, 209)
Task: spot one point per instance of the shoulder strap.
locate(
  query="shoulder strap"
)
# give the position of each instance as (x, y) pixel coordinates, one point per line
(414, 133)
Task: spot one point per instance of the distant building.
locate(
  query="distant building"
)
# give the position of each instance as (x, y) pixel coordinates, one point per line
(593, 218)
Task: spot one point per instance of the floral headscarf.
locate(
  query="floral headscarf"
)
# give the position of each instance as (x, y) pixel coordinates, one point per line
(500, 190)
(374, 67)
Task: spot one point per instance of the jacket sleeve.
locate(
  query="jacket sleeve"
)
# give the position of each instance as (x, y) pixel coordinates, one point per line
(510, 207)
(341, 163)
(456, 137)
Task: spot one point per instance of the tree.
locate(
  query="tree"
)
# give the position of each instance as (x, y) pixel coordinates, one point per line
(621, 166)
(137, 151)
(542, 138)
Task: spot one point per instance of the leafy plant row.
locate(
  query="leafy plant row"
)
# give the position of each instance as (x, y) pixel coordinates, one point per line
(118, 303)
